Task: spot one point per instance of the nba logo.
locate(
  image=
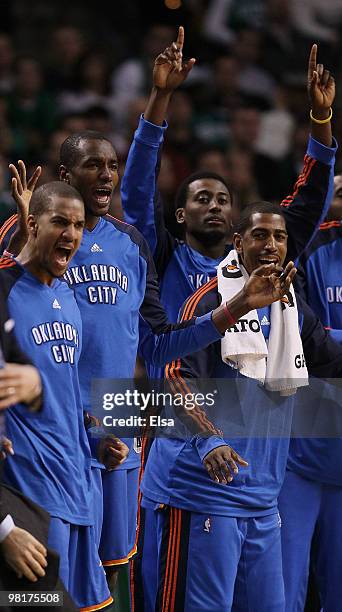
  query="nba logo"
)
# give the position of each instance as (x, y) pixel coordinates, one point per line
(207, 525)
(137, 444)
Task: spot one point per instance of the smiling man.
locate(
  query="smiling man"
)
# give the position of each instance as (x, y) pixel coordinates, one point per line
(205, 504)
(52, 458)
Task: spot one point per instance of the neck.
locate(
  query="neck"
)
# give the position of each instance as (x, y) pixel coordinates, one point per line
(29, 260)
(91, 221)
(213, 250)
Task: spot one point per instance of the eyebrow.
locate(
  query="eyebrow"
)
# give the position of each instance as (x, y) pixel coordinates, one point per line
(209, 191)
(266, 229)
(93, 158)
(64, 218)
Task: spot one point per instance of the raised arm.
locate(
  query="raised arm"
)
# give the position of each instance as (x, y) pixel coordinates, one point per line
(307, 206)
(14, 234)
(139, 193)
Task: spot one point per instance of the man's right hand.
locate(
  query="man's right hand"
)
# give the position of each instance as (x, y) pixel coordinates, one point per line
(112, 451)
(24, 554)
(268, 284)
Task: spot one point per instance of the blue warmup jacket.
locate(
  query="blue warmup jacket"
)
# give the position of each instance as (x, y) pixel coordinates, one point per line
(52, 458)
(319, 282)
(174, 471)
(319, 276)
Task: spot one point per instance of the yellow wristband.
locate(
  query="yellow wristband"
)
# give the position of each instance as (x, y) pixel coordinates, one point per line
(320, 121)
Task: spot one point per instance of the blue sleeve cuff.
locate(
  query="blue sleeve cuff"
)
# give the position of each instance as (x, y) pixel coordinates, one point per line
(149, 133)
(319, 151)
(209, 328)
(205, 445)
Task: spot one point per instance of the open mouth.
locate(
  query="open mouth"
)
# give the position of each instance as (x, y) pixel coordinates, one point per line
(265, 261)
(103, 196)
(63, 255)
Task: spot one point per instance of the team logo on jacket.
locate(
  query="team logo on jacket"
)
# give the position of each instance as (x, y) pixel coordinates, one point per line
(102, 281)
(334, 294)
(62, 337)
(199, 279)
(207, 525)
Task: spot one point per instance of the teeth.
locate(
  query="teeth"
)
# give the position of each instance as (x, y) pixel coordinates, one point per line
(102, 196)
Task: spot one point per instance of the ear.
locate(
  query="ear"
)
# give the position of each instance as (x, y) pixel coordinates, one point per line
(237, 241)
(32, 225)
(180, 215)
(64, 174)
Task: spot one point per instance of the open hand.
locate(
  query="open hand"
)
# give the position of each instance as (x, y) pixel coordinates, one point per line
(22, 189)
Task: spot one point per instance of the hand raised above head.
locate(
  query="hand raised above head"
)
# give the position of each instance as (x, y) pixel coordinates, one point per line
(321, 86)
(169, 70)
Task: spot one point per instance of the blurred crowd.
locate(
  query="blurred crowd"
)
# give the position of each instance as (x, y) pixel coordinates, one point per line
(243, 112)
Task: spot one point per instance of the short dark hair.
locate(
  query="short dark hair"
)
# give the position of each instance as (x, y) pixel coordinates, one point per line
(256, 207)
(41, 198)
(69, 152)
(182, 193)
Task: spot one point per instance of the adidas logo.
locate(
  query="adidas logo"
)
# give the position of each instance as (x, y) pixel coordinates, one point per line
(95, 248)
(56, 304)
(264, 321)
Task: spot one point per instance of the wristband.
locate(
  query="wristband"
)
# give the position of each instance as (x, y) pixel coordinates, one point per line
(321, 121)
(229, 317)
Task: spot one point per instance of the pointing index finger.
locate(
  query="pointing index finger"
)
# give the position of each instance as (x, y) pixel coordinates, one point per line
(312, 61)
(180, 38)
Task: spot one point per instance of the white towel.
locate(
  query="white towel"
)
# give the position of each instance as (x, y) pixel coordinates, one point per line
(280, 365)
